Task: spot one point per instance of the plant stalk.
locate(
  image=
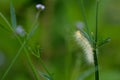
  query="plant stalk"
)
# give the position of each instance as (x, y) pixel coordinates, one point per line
(86, 23)
(96, 65)
(95, 44)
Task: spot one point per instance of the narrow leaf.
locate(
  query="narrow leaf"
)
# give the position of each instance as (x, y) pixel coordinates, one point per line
(13, 61)
(18, 53)
(32, 31)
(45, 76)
(86, 74)
(35, 52)
(4, 28)
(13, 16)
(4, 23)
(85, 34)
(85, 20)
(103, 42)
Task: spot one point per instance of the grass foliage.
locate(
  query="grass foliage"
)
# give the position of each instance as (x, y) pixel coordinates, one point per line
(24, 46)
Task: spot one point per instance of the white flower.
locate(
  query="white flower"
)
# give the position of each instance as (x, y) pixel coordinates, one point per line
(40, 6)
(85, 45)
(19, 30)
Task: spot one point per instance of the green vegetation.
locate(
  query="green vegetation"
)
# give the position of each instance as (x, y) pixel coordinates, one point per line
(39, 43)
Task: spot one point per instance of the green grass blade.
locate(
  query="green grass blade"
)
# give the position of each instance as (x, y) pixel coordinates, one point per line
(13, 61)
(86, 74)
(44, 66)
(27, 53)
(84, 16)
(45, 76)
(18, 53)
(85, 34)
(96, 64)
(85, 20)
(12, 28)
(103, 42)
(4, 28)
(32, 31)
(35, 72)
(13, 16)
(5, 23)
(35, 52)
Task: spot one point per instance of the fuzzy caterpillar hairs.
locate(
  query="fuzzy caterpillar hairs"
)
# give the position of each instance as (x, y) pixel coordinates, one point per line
(85, 45)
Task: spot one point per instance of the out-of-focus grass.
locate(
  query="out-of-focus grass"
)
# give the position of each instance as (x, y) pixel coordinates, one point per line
(57, 24)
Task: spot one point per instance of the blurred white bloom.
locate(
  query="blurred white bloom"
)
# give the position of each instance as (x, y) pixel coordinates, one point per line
(40, 6)
(85, 45)
(80, 25)
(19, 30)
(2, 58)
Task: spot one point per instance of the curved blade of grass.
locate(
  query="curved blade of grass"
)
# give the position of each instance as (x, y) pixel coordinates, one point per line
(31, 65)
(13, 16)
(5, 23)
(18, 53)
(36, 53)
(103, 42)
(22, 45)
(27, 53)
(13, 61)
(85, 35)
(4, 28)
(32, 32)
(44, 66)
(45, 76)
(86, 74)
(85, 20)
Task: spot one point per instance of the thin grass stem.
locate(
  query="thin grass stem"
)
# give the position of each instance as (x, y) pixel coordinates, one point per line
(13, 61)
(44, 66)
(95, 44)
(96, 65)
(17, 55)
(31, 65)
(19, 51)
(85, 20)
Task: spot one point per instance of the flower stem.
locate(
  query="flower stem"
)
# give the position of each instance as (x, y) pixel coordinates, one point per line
(96, 65)
(85, 20)
(95, 45)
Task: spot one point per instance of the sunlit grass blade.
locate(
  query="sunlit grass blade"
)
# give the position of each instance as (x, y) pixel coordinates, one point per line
(13, 16)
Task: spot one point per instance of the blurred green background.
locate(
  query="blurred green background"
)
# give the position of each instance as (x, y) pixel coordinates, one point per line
(62, 56)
